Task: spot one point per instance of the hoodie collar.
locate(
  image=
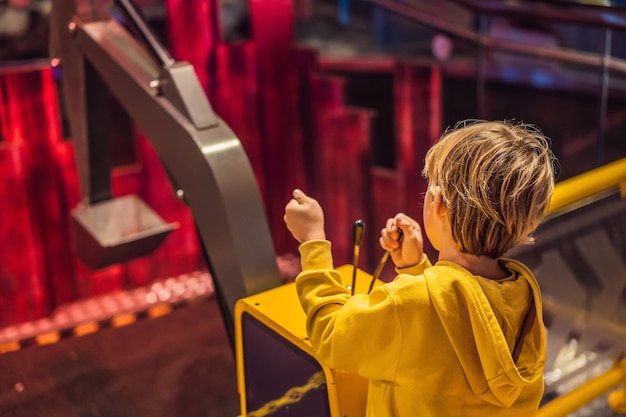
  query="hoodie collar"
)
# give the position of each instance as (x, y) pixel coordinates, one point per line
(494, 373)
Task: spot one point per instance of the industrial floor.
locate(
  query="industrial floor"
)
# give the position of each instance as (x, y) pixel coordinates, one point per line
(180, 364)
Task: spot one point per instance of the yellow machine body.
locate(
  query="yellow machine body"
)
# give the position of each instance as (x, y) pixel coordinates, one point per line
(270, 334)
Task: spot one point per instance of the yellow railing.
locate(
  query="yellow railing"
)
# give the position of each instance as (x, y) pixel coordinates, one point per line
(586, 185)
(567, 193)
(584, 394)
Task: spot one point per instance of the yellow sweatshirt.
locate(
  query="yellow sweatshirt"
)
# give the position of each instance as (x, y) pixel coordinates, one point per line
(437, 341)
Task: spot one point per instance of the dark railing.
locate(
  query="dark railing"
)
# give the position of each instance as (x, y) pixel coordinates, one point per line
(607, 19)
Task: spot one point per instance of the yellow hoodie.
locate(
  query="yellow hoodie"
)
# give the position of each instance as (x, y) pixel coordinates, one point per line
(437, 341)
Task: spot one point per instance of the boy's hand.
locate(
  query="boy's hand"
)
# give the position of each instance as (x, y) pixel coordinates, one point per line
(408, 250)
(304, 218)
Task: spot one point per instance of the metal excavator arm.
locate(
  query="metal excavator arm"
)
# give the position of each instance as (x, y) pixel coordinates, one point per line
(203, 157)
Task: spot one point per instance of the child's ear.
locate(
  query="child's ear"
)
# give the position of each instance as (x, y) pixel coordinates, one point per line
(440, 205)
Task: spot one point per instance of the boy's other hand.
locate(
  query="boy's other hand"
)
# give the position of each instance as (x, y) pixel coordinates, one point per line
(304, 218)
(408, 250)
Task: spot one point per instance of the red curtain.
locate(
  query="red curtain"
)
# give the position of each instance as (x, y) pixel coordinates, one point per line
(32, 221)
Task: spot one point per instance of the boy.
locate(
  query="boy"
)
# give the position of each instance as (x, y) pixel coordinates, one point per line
(464, 337)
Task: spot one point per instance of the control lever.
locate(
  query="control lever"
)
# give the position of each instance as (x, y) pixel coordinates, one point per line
(358, 229)
(381, 264)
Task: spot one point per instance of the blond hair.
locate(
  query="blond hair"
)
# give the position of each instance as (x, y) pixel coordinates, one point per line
(496, 179)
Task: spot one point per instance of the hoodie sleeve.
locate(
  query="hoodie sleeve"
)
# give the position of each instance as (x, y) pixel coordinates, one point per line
(362, 333)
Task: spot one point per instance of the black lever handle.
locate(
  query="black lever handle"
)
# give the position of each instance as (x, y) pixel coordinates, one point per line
(358, 229)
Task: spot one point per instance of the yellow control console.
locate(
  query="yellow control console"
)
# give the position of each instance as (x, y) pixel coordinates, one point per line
(278, 373)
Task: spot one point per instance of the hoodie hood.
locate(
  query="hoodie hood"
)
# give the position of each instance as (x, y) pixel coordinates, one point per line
(499, 356)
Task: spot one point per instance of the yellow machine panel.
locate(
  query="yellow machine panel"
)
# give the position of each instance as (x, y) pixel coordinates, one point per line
(277, 370)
